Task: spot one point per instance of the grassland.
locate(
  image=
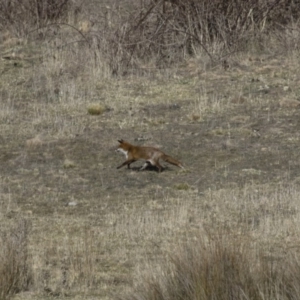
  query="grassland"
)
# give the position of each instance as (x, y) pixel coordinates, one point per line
(95, 232)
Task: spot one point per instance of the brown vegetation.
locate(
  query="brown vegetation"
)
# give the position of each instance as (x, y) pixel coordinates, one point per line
(222, 266)
(15, 263)
(214, 83)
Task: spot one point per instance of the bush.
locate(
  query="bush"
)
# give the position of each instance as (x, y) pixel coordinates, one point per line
(15, 271)
(169, 31)
(222, 268)
(22, 15)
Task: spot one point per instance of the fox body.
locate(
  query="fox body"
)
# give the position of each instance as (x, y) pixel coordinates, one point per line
(150, 154)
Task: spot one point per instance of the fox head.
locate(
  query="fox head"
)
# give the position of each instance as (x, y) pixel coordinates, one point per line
(122, 148)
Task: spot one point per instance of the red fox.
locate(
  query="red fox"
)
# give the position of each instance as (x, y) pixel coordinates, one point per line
(150, 154)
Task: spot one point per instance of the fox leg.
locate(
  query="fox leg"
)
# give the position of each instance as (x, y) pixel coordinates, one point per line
(158, 165)
(127, 162)
(155, 164)
(144, 166)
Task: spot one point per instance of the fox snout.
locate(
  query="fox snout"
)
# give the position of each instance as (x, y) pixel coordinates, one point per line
(120, 150)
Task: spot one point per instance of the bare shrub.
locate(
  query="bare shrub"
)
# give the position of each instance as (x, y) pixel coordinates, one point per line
(131, 35)
(22, 15)
(15, 271)
(169, 31)
(223, 266)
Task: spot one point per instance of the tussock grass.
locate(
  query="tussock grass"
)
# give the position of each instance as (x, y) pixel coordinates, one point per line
(222, 266)
(15, 260)
(68, 263)
(237, 249)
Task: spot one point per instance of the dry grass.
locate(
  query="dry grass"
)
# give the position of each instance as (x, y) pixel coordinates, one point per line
(240, 245)
(95, 229)
(15, 263)
(230, 220)
(221, 268)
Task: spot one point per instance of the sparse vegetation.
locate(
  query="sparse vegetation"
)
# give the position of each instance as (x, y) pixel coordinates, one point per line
(212, 83)
(222, 266)
(22, 17)
(15, 262)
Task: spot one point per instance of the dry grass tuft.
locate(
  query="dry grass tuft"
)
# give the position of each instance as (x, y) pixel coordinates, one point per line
(223, 266)
(15, 262)
(182, 186)
(233, 246)
(34, 142)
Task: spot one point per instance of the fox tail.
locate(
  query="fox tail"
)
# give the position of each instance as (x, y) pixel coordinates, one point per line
(172, 161)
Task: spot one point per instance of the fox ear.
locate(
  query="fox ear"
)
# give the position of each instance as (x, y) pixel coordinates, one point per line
(120, 141)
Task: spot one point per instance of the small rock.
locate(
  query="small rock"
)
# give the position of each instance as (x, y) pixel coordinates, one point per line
(69, 164)
(96, 109)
